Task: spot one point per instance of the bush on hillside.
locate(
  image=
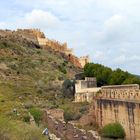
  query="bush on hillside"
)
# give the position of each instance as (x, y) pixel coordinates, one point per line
(26, 118)
(70, 115)
(68, 88)
(113, 130)
(62, 69)
(37, 114)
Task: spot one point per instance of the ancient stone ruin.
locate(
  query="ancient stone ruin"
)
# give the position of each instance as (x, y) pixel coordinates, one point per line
(85, 90)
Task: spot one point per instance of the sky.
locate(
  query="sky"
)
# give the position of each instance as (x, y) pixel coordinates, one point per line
(106, 30)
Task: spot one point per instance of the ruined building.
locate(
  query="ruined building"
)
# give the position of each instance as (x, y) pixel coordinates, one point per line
(86, 89)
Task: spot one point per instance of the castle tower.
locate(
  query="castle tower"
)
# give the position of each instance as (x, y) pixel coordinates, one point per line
(84, 60)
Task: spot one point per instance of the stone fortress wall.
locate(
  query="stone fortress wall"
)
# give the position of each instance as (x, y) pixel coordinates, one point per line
(28, 34)
(60, 47)
(84, 60)
(120, 103)
(116, 103)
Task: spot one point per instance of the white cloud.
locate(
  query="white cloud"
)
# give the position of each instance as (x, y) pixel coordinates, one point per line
(99, 56)
(120, 60)
(3, 25)
(116, 21)
(134, 58)
(39, 16)
(39, 19)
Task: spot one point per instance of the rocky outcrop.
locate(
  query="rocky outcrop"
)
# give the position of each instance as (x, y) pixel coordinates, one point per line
(68, 131)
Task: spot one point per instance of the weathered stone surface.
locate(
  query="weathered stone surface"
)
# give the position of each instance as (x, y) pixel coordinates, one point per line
(85, 90)
(120, 104)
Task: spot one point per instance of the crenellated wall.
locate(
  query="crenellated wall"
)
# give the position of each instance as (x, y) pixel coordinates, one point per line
(61, 47)
(84, 60)
(120, 104)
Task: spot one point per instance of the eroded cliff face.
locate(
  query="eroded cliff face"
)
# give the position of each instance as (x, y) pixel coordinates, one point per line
(120, 104)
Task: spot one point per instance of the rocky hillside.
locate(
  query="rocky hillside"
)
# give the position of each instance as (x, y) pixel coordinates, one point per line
(29, 75)
(21, 58)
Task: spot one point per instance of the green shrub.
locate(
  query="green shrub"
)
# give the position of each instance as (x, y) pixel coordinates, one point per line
(62, 69)
(84, 109)
(26, 118)
(68, 88)
(113, 130)
(70, 115)
(37, 114)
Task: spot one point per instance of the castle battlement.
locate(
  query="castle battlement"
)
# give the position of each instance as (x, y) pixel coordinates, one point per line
(129, 86)
(84, 60)
(123, 92)
(63, 48)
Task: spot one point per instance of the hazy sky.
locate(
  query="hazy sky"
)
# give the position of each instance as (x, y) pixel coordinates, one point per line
(106, 30)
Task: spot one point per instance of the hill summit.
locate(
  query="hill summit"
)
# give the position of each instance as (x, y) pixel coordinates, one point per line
(37, 37)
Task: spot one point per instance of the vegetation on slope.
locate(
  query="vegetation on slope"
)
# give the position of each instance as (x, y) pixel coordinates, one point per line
(16, 130)
(107, 76)
(29, 82)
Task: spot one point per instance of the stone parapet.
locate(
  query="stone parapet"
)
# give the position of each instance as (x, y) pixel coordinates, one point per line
(121, 92)
(120, 103)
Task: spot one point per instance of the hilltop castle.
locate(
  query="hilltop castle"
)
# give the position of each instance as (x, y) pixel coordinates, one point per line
(56, 46)
(38, 37)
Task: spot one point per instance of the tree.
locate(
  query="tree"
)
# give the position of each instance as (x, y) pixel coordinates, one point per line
(106, 76)
(69, 88)
(118, 77)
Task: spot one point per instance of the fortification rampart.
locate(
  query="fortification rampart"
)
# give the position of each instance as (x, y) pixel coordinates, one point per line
(68, 131)
(121, 92)
(120, 104)
(84, 60)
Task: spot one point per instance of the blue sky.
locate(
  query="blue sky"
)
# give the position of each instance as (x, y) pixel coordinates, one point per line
(106, 30)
